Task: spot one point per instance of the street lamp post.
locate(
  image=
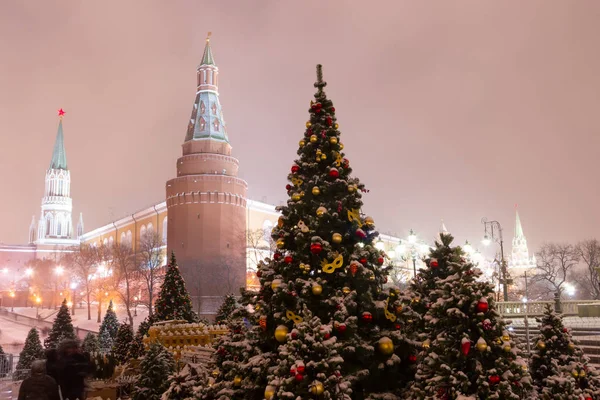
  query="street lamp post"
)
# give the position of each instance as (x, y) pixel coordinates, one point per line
(38, 300)
(525, 299)
(12, 305)
(411, 249)
(135, 300)
(493, 232)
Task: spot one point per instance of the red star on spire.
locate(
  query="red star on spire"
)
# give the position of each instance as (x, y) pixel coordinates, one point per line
(61, 113)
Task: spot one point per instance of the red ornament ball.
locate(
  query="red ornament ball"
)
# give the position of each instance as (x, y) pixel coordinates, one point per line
(332, 109)
(258, 274)
(329, 121)
(412, 358)
(565, 330)
(494, 379)
(294, 335)
(380, 260)
(295, 169)
(316, 248)
(398, 326)
(482, 306)
(299, 377)
(300, 369)
(341, 328)
(363, 261)
(327, 336)
(288, 187)
(276, 256)
(293, 371)
(333, 173)
(288, 259)
(361, 234)
(433, 263)
(367, 316)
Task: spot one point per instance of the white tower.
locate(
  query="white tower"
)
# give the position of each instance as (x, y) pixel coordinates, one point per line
(520, 253)
(55, 226)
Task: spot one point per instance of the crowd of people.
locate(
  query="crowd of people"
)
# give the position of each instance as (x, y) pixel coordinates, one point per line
(62, 376)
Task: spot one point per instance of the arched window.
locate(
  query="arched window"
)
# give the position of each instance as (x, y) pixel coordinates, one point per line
(111, 241)
(164, 230)
(150, 228)
(129, 241)
(105, 242)
(267, 228)
(49, 220)
(123, 238)
(142, 231)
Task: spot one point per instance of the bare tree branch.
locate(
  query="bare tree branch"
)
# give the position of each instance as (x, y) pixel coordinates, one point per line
(555, 266)
(149, 262)
(589, 252)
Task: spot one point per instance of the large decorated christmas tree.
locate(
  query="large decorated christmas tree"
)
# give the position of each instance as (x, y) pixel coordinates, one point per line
(467, 351)
(108, 329)
(322, 325)
(173, 301)
(559, 368)
(32, 350)
(62, 328)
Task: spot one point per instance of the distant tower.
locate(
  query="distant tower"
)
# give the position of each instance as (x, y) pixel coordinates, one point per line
(55, 224)
(207, 201)
(80, 226)
(520, 253)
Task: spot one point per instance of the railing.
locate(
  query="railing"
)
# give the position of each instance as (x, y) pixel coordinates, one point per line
(536, 308)
(39, 323)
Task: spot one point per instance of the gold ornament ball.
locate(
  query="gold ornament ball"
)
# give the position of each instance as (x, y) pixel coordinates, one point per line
(506, 337)
(386, 346)
(323, 157)
(280, 222)
(524, 367)
(317, 289)
(321, 211)
(581, 373)
(571, 346)
(336, 126)
(369, 221)
(345, 290)
(269, 392)
(507, 348)
(281, 333)
(481, 346)
(237, 381)
(337, 238)
(313, 138)
(319, 152)
(280, 243)
(317, 388)
(341, 146)
(498, 341)
(308, 124)
(296, 197)
(372, 277)
(426, 344)
(351, 188)
(333, 140)
(275, 284)
(215, 373)
(575, 373)
(541, 345)
(301, 143)
(316, 191)
(302, 194)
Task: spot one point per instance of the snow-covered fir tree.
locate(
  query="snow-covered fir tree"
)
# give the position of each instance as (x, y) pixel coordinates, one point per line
(185, 383)
(32, 350)
(123, 343)
(136, 349)
(559, 368)
(62, 328)
(173, 301)
(156, 366)
(229, 304)
(108, 329)
(468, 351)
(321, 324)
(90, 343)
(5, 363)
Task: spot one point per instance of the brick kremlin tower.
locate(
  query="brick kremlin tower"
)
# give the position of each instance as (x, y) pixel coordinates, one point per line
(207, 201)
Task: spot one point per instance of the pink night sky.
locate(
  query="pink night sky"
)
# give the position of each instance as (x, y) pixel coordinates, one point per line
(448, 110)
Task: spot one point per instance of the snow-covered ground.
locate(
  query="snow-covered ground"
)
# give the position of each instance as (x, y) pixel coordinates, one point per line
(12, 336)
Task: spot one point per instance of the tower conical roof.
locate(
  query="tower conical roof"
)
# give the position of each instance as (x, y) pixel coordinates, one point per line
(59, 156)
(518, 228)
(207, 57)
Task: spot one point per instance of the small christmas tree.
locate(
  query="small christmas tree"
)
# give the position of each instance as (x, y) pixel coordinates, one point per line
(183, 384)
(90, 343)
(32, 350)
(62, 328)
(173, 301)
(156, 366)
(468, 351)
(558, 366)
(122, 343)
(108, 329)
(229, 304)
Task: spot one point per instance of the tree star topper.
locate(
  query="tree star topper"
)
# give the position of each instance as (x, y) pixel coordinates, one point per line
(61, 113)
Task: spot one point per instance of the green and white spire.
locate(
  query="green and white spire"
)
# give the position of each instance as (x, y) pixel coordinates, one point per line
(206, 121)
(59, 156)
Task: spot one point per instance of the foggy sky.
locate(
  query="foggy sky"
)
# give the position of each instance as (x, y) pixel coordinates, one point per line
(448, 110)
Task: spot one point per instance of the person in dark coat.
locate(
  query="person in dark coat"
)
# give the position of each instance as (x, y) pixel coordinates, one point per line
(73, 368)
(52, 363)
(38, 386)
